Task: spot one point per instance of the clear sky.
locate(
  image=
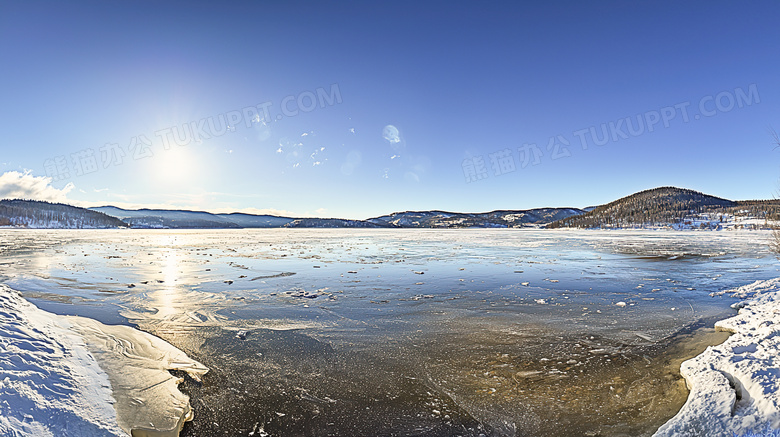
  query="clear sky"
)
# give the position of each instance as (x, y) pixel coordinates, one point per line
(357, 109)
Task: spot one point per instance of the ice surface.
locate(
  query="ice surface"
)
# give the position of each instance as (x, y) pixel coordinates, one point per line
(74, 376)
(148, 400)
(471, 323)
(735, 386)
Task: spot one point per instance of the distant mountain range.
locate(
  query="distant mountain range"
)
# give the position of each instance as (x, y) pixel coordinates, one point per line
(665, 206)
(163, 218)
(159, 218)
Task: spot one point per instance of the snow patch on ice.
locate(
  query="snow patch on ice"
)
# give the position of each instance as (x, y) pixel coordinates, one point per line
(50, 385)
(74, 376)
(735, 386)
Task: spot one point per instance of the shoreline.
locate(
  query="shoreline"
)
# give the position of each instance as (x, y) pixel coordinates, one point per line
(735, 386)
(74, 376)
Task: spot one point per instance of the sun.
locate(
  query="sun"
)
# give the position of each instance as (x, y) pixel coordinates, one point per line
(176, 166)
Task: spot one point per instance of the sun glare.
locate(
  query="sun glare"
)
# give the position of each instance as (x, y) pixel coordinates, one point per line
(174, 167)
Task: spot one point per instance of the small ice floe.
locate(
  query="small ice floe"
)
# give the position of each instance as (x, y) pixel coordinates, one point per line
(241, 335)
(541, 301)
(196, 317)
(303, 294)
(422, 296)
(528, 373)
(525, 284)
(621, 304)
(643, 336)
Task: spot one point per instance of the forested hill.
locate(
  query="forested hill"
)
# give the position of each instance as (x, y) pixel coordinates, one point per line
(657, 206)
(493, 219)
(45, 215)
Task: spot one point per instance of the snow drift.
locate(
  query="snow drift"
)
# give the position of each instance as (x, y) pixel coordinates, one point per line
(74, 376)
(735, 386)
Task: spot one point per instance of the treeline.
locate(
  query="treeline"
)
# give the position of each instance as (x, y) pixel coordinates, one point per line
(39, 214)
(657, 206)
(764, 209)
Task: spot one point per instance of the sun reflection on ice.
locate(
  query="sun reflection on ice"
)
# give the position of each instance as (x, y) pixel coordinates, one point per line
(175, 302)
(167, 297)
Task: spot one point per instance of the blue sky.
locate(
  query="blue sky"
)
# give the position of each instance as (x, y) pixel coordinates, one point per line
(491, 103)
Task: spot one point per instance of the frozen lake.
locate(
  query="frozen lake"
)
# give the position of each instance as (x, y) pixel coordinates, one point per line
(407, 332)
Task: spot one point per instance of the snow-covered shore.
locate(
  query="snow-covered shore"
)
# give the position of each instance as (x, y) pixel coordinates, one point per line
(735, 386)
(73, 376)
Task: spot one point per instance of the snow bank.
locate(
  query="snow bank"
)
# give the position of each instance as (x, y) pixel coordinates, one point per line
(50, 385)
(735, 386)
(57, 374)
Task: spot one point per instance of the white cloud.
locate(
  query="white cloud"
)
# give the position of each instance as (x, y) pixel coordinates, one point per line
(16, 185)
